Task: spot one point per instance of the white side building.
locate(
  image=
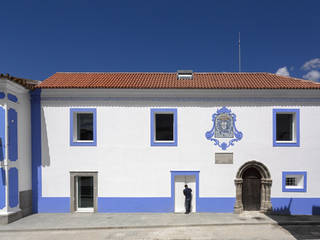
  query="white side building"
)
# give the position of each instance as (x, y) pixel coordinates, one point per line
(15, 148)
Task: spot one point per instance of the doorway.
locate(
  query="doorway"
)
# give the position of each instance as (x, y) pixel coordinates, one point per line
(84, 194)
(179, 199)
(83, 191)
(253, 187)
(251, 190)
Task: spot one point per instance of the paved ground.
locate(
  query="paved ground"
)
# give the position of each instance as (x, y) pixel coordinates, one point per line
(248, 232)
(76, 221)
(249, 225)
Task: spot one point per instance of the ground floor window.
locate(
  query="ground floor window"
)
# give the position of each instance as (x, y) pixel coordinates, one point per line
(294, 181)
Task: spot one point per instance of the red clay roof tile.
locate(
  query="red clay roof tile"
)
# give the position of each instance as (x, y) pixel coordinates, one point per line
(170, 80)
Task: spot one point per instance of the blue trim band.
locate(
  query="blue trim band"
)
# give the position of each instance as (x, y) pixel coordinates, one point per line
(36, 147)
(12, 134)
(13, 187)
(297, 122)
(2, 134)
(12, 98)
(153, 111)
(2, 188)
(285, 189)
(73, 111)
(2, 95)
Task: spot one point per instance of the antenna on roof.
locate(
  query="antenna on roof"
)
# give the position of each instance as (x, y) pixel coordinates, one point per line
(239, 54)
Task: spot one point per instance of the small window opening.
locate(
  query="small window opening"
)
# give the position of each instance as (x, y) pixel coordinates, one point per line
(285, 127)
(294, 181)
(164, 126)
(291, 181)
(84, 127)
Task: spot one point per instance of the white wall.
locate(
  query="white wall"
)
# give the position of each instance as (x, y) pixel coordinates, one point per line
(23, 109)
(129, 167)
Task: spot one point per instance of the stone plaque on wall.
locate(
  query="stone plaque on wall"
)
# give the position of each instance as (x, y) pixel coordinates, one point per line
(224, 158)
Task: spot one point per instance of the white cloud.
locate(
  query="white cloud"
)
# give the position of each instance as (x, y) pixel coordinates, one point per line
(283, 72)
(313, 75)
(311, 64)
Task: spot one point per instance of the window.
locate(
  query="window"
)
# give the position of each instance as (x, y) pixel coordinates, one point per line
(164, 127)
(294, 181)
(83, 127)
(286, 130)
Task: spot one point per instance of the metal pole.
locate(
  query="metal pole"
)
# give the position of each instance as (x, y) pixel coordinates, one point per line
(239, 54)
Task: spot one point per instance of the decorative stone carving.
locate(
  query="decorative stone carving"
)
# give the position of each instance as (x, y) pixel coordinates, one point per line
(266, 183)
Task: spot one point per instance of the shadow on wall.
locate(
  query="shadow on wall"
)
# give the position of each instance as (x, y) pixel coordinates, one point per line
(288, 221)
(44, 141)
(286, 210)
(316, 210)
(283, 210)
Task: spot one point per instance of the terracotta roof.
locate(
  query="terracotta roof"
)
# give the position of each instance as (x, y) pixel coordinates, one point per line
(170, 80)
(27, 83)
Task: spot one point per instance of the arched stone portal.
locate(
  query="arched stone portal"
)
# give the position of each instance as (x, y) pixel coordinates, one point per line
(265, 203)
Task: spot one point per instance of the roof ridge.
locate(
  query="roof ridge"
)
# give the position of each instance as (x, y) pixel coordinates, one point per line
(168, 72)
(294, 78)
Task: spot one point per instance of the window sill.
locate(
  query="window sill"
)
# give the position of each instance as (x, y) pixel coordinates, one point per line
(298, 189)
(83, 143)
(286, 144)
(294, 187)
(164, 143)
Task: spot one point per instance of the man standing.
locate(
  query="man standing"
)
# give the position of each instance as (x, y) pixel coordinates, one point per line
(187, 193)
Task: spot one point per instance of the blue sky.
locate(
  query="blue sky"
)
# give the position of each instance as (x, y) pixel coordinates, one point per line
(39, 38)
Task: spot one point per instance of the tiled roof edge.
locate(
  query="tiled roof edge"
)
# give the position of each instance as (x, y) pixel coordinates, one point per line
(26, 83)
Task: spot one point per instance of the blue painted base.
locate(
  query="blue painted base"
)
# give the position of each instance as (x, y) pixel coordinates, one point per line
(293, 206)
(223, 205)
(54, 205)
(135, 205)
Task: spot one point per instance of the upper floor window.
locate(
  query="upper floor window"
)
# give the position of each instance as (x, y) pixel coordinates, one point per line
(83, 127)
(286, 127)
(163, 127)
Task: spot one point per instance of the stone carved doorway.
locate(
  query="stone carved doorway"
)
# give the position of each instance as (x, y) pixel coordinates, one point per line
(256, 175)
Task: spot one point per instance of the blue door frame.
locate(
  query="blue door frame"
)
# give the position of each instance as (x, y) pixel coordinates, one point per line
(184, 173)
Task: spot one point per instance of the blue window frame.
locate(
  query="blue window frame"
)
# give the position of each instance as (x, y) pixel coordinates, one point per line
(294, 181)
(168, 115)
(284, 117)
(83, 130)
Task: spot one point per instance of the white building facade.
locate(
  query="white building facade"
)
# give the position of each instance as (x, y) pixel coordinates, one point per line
(133, 149)
(129, 142)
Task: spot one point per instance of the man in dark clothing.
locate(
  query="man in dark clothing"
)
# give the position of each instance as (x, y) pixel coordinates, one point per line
(187, 193)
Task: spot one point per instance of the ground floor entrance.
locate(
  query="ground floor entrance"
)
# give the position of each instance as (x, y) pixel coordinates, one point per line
(178, 181)
(253, 188)
(83, 191)
(84, 194)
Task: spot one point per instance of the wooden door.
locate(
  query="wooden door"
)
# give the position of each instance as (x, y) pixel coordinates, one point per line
(251, 190)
